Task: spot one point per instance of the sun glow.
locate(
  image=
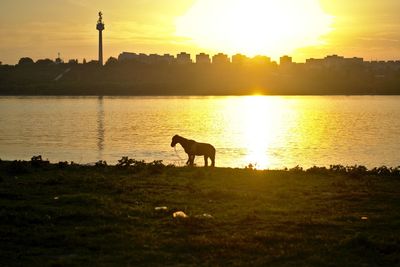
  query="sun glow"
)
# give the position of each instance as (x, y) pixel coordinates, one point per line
(253, 27)
(261, 120)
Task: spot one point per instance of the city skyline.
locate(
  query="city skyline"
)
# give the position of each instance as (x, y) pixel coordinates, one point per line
(364, 29)
(204, 58)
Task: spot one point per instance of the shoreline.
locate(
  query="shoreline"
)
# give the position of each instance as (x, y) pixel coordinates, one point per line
(186, 95)
(126, 163)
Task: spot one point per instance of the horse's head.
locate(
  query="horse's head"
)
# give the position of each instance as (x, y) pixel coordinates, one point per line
(175, 140)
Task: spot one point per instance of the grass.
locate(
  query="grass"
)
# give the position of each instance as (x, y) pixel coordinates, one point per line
(71, 215)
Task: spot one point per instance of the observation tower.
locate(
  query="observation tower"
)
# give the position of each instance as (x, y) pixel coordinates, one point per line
(100, 28)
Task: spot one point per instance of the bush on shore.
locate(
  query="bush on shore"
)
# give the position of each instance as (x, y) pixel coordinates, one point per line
(157, 166)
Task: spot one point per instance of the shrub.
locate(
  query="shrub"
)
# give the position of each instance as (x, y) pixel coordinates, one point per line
(296, 169)
(135, 165)
(101, 164)
(37, 161)
(62, 164)
(251, 166)
(18, 167)
(317, 170)
(337, 169)
(396, 171)
(356, 170)
(383, 170)
(125, 162)
(156, 167)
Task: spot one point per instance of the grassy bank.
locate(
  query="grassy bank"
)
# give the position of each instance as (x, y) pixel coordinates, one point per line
(71, 215)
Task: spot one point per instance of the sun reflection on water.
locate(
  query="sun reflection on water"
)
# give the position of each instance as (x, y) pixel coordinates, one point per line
(262, 125)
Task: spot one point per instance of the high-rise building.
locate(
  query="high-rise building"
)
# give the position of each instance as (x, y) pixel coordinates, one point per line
(183, 58)
(220, 58)
(285, 61)
(240, 59)
(261, 60)
(203, 58)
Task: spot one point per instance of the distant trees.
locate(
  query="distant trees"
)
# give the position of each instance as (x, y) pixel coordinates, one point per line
(111, 61)
(58, 61)
(93, 63)
(73, 62)
(25, 61)
(44, 62)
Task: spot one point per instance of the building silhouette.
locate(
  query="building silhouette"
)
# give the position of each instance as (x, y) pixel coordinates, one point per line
(261, 60)
(183, 58)
(146, 59)
(220, 58)
(285, 61)
(167, 58)
(203, 58)
(334, 61)
(240, 59)
(125, 56)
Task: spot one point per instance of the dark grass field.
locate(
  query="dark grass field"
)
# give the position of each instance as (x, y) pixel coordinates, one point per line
(71, 215)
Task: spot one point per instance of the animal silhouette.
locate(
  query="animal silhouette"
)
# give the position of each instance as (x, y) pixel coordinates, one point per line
(193, 149)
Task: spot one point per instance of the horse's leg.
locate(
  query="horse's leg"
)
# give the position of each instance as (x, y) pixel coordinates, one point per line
(205, 161)
(188, 161)
(212, 160)
(192, 160)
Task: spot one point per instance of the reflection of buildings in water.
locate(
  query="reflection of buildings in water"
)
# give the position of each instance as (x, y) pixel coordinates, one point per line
(100, 128)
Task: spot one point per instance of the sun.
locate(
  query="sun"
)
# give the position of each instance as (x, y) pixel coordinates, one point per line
(252, 27)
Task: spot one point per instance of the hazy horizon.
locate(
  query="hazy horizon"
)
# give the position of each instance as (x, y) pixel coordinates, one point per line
(302, 29)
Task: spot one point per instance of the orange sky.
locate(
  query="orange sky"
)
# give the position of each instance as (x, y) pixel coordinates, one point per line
(42, 28)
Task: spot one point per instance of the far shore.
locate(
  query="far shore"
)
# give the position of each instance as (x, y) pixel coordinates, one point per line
(134, 79)
(182, 95)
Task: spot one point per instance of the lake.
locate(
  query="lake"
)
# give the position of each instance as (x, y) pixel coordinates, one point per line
(266, 131)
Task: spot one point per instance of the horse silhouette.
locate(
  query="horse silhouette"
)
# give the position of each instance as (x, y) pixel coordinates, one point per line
(193, 149)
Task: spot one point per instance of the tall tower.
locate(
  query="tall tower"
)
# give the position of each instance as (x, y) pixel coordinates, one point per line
(100, 28)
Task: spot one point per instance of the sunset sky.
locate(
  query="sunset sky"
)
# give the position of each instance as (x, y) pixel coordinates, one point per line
(301, 28)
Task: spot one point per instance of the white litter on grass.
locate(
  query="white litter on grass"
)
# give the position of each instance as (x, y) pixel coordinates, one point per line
(56, 198)
(364, 218)
(179, 214)
(161, 208)
(205, 215)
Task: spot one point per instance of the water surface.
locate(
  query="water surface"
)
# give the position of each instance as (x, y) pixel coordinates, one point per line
(269, 132)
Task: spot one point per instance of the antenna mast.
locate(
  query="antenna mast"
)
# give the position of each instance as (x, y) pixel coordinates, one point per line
(100, 28)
